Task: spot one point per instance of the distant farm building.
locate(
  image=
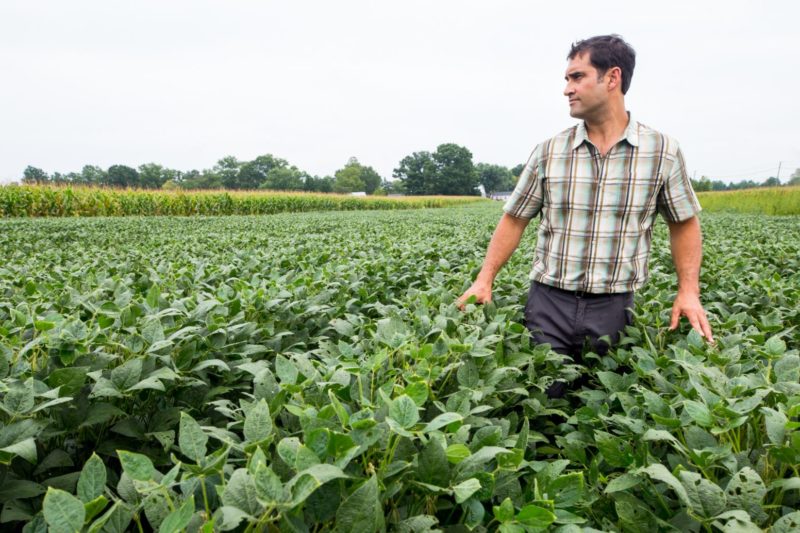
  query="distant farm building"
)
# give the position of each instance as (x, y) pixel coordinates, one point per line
(502, 195)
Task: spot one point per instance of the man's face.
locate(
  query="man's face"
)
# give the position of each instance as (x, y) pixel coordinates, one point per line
(587, 95)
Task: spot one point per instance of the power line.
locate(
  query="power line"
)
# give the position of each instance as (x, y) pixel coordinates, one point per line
(744, 174)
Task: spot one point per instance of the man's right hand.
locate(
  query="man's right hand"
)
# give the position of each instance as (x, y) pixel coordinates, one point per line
(504, 241)
(481, 291)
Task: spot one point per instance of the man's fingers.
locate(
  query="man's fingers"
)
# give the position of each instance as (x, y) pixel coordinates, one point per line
(695, 323)
(706, 327)
(676, 315)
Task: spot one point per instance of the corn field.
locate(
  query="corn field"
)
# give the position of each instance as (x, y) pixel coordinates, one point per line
(53, 201)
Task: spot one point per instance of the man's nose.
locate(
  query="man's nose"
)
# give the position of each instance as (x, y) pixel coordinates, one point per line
(568, 90)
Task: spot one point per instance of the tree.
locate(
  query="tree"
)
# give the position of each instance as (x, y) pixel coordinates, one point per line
(494, 178)
(795, 178)
(284, 179)
(317, 184)
(253, 173)
(771, 181)
(122, 176)
(517, 170)
(35, 175)
(456, 175)
(348, 179)
(448, 171)
(227, 169)
(701, 185)
(93, 175)
(194, 179)
(153, 176)
(417, 172)
(369, 179)
(393, 187)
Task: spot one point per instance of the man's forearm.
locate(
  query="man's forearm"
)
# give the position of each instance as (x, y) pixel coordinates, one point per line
(504, 241)
(686, 242)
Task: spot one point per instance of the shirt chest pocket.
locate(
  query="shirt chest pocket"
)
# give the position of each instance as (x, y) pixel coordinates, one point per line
(633, 199)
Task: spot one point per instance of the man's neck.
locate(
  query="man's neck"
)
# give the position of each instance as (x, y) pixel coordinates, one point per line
(604, 131)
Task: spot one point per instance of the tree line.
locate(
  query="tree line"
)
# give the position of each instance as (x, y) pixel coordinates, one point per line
(707, 184)
(449, 170)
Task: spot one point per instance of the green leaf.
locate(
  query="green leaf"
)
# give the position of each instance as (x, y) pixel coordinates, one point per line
(775, 422)
(19, 398)
(746, 490)
(258, 423)
(138, 467)
(362, 510)
(417, 391)
(63, 512)
(286, 370)
(474, 511)
(127, 374)
(705, 498)
(240, 492)
(155, 509)
(504, 512)
(95, 506)
(787, 369)
(13, 489)
(269, 488)
(775, 346)
(699, 413)
(792, 483)
(153, 294)
(432, 467)
(25, 448)
(306, 482)
(788, 523)
(468, 375)
(444, 419)
(227, 518)
(92, 481)
(566, 490)
(736, 521)
(179, 518)
(115, 520)
(616, 451)
(535, 517)
(623, 482)
(153, 331)
(465, 489)
(192, 439)
(659, 472)
(403, 410)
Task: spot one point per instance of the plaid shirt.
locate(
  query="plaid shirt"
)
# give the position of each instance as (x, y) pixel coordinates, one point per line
(598, 212)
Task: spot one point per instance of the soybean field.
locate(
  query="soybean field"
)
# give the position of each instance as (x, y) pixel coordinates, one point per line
(310, 372)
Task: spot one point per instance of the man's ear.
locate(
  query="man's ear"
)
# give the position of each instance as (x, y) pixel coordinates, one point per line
(614, 75)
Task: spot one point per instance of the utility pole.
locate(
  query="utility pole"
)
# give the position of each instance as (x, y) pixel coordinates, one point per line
(778, 177)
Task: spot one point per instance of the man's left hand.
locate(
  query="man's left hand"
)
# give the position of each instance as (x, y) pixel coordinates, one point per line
(688, 305)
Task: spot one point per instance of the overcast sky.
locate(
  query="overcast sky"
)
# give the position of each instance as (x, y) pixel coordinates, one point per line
(184, 83)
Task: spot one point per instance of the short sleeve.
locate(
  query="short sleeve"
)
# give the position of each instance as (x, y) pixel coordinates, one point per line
(526, 200)
(676, 200)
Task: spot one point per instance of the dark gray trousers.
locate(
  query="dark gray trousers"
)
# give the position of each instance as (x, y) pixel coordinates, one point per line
(570, 321)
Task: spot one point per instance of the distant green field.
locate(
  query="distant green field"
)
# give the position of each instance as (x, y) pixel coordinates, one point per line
(767, 201)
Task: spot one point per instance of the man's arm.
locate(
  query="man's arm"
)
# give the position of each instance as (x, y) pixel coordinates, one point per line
(504, 241)
(686, 243)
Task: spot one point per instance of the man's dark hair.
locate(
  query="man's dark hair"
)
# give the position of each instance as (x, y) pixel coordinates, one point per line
(605, 52)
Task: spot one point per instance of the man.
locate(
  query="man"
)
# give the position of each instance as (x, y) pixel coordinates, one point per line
(598, 187)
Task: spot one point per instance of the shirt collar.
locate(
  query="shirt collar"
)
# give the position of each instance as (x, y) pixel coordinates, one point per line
(631, 133)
